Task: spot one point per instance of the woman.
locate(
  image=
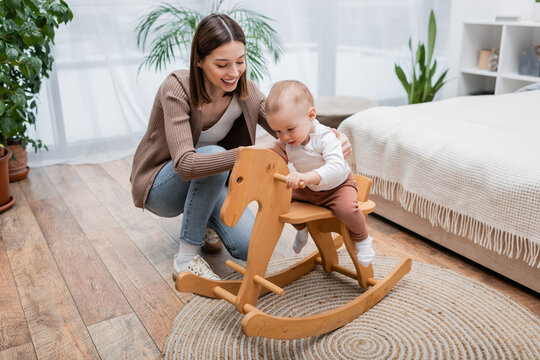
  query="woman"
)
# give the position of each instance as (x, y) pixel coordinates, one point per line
(198, 120)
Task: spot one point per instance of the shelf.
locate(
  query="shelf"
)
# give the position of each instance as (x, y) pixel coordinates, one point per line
(515, 76)
(475, 71)
(525, 23)
(512, 38)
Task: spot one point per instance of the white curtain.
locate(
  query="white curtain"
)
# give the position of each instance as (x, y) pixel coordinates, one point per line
(95, 106)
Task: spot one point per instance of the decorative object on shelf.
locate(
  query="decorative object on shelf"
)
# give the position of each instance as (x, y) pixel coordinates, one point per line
(530, 87)
(483, 59)
(26, 39)
(536, 11)
(494, 59)
(529, 61)
(6, 200)
(172, 26)
(419, 89)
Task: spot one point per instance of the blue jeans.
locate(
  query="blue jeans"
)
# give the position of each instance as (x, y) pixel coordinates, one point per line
(200, 200)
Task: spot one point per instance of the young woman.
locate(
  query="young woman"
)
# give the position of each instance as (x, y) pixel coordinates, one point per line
(198, 120)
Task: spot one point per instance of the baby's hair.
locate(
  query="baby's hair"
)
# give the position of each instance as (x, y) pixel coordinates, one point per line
(288, 91)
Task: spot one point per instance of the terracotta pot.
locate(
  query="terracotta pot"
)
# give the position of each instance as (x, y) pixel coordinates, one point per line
(17, 167)
(6, 200)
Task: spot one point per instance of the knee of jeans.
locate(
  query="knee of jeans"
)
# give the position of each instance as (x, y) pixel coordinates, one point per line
(162, 210)
(239, 253)
(210, 149)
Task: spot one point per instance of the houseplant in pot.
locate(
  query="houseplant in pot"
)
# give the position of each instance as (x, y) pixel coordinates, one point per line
(27, 29)
(6, 200)
(169, 28)
(420, 87)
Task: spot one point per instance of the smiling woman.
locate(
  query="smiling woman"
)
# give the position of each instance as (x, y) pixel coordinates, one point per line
(198, 121)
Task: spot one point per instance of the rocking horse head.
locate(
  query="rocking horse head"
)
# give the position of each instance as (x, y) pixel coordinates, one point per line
(252, 179)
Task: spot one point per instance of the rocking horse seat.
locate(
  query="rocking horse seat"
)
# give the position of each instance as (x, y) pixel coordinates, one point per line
(301, 212)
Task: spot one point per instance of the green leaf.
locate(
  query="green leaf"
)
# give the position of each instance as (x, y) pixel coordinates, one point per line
(5, 79)
(12, 52)
(9, 126)
(13, 4)
(2, 107)
(18, 99)
(432, 34)
(36, 64)
(32, 5)
(401, 76)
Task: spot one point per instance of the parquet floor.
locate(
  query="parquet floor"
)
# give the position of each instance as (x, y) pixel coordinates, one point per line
(84, 274)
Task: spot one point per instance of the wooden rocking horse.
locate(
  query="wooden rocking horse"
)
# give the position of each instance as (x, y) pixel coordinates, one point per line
(258, 175)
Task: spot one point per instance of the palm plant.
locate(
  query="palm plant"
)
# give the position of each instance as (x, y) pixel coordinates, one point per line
(169, 30)
(419, 88)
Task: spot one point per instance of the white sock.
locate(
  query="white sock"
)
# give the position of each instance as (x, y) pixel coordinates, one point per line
(300, 240)
(186, 253)
(364, 251)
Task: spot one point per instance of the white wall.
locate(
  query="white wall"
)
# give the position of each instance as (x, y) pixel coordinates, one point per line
(463, 10)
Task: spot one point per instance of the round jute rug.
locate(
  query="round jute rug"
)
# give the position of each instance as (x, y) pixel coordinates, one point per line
(432, 313)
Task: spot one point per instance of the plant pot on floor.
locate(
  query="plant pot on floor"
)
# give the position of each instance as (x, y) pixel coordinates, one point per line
(6, 200)
(17, 165)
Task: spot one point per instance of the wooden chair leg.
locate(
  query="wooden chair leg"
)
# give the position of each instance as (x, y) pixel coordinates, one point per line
(324, 243)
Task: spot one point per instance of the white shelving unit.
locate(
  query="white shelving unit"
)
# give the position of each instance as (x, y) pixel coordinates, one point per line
(512, 38)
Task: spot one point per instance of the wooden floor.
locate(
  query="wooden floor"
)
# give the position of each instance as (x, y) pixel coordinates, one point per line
(84, 274)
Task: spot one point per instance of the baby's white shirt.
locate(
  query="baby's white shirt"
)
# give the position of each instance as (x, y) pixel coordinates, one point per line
(322, 154)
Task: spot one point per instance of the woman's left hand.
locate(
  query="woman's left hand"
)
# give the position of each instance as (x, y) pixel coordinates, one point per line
(345, 143)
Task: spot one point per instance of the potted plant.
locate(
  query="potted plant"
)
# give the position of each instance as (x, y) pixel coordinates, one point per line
(171, 28)
(6, 200)
(420, 88)
(27, 29)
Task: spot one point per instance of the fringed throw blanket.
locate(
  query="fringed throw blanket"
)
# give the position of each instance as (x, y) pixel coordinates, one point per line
(470, 165)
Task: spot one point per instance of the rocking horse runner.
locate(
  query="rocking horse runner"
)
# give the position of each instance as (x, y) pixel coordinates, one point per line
(253, 178)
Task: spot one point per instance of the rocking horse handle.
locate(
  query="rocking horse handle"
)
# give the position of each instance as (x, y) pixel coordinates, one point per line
(283, 178)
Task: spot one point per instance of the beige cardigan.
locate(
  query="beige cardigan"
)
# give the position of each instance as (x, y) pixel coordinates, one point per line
(174, 129)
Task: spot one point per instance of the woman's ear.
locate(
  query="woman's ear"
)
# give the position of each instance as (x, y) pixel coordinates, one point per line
(312, 113)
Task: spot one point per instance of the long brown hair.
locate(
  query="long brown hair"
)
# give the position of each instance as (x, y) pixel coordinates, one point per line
(212, 32)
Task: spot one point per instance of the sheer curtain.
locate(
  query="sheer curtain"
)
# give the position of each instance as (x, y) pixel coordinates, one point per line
(95, 106)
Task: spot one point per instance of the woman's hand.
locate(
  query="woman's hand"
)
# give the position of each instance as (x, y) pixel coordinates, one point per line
(276, 146)
(345, 143)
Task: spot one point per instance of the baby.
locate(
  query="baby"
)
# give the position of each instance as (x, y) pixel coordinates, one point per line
(315, 152)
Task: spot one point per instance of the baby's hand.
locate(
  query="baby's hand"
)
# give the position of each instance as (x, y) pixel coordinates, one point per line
(293, 180)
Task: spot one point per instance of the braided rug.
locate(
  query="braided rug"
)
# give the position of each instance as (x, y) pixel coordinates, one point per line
(432, 313)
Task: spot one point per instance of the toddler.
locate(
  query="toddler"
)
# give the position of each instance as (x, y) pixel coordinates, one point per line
(315, 152)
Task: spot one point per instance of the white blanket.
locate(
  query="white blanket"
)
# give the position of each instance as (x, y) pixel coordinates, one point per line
(470, 165)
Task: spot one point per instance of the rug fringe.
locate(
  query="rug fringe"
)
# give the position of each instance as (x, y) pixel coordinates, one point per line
(485, 235)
